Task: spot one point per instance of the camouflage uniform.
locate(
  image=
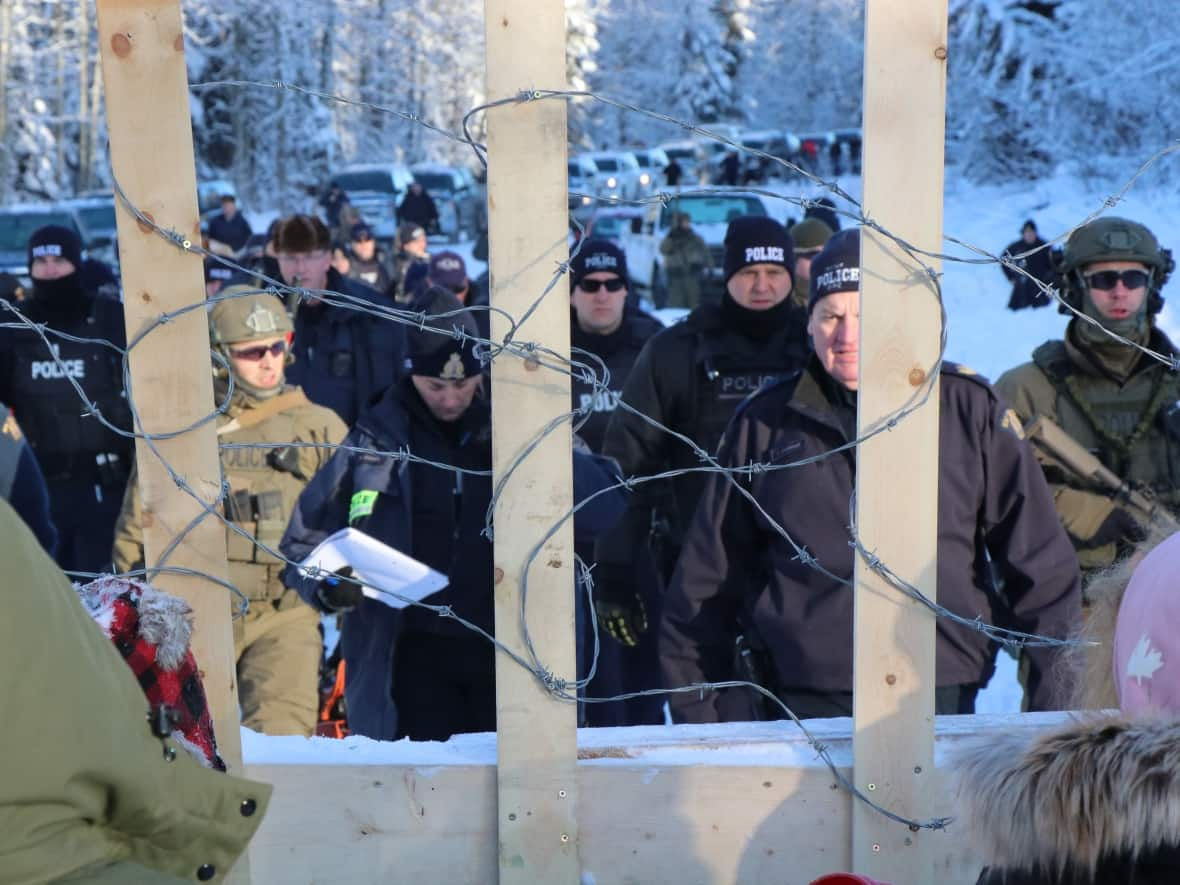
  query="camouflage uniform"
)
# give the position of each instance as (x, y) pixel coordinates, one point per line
(1119, 404)
(277, 642)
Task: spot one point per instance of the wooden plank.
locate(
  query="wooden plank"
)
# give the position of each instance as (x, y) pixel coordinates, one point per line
(537, 834)
(147, 106)
(897, 472)
(693, 804)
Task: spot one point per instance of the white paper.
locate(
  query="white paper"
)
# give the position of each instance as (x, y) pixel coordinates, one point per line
(377, 565)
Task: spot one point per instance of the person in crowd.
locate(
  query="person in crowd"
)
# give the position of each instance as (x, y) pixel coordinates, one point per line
(440, 680)
(730, 168)
(686, 260)
(1096, 795)
(367, 262)
(22, 484)
(1116, 401)
(1031, 255)
(229, 230)
(418, 207)
(412, 255)
(85, 462)
(689, 378)
(447, 270)
(809, 236)
(825, 210)
(344, 353)
(673, 172)
(216, 276)
(333, 200)
(97, 799)
(609, 335)
(286, 440)
(739, 575)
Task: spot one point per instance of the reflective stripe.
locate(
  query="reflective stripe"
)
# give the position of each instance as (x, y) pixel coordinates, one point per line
(362, 504)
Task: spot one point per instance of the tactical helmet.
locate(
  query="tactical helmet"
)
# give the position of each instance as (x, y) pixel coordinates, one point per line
(1112, 239)
(242, 313)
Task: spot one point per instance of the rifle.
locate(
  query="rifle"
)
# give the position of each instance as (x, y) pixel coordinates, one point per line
(1057, 446)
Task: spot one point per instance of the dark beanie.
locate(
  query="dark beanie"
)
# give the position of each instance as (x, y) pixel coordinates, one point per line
(597, 256)
(837, 267)
(443, 355)
(53, 239)
(756, 239)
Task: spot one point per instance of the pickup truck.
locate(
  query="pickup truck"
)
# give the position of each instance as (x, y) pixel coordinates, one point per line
(710, 213)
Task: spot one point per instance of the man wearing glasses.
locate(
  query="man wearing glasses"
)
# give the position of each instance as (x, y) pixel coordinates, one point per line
(344, 353)
(273, 440)
(1111, 397)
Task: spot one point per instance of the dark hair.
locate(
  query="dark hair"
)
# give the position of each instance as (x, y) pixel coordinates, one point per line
(302, 233)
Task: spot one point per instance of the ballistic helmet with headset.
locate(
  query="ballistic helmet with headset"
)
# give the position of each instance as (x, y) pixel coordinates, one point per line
(1112, 239)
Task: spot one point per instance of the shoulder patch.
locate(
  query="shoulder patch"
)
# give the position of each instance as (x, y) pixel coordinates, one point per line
(10, 428)
(1011, 423)
(961, 371)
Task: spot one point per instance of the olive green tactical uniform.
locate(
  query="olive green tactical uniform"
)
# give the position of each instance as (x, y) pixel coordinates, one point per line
(1116, 402)
(277, 641)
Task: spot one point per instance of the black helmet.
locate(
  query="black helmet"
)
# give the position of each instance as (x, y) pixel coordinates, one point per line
(1112, 239)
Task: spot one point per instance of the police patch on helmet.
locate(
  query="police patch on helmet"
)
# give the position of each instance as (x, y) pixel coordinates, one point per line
(453, 369)
(262, 321)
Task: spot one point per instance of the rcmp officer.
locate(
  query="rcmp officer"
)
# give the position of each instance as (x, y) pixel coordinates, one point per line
(85, 463)
(412, 673)
(1114, 400)
(286, 440)
(738, 574)
(344, 356)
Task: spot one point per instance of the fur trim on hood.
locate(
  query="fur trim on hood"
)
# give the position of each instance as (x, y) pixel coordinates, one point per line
(1074, 796)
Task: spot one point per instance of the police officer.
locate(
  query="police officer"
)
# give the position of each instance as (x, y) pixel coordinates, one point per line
(367, 261)
(689, 378)
(411, 262)
(440, 674)
(1113, 399)
(85, 463)
(737, 573)
(344, 355)
(21, 482)
(286, 440)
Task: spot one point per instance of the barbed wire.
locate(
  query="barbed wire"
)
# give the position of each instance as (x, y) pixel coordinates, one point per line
(579, 365)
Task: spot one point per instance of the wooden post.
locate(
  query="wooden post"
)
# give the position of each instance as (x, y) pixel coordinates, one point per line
(897, 472)
(527, 242)
(147, 103)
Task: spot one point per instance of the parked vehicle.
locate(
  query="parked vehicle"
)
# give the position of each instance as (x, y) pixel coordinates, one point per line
(615, 223)
(375, 192)
(456, 194)
(95, 216)
(618, 174)
(583, 187)
(651, 168)
(17, 224)
(684, 153)
(710, 214)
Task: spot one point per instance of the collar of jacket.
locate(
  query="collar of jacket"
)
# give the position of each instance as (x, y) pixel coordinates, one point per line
(1074, 797)
(1085, 361)
(810, 399)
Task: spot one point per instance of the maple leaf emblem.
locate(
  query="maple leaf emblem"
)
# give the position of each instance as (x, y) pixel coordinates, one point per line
(1144, 660)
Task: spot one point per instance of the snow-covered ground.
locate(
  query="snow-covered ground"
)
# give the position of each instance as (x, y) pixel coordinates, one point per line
(982, 333)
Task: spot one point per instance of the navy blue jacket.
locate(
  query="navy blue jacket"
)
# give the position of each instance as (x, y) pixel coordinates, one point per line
(23, 485)
(370, 631)
(345, 357)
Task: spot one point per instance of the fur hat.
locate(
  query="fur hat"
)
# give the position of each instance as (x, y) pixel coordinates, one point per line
(152, 630)
(837, 267)
(756, 239)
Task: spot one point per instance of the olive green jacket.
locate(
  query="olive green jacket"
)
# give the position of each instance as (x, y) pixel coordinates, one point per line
(85, 783)
(1094, 408)
(264, 485)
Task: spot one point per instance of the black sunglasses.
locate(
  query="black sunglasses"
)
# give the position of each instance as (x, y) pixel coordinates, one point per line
(254, 354)
(1105, 280)
(591, 286)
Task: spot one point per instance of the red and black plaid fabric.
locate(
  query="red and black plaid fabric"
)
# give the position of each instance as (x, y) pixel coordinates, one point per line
(114, 604)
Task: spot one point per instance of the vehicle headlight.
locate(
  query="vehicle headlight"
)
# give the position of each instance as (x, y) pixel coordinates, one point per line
(586, 201)
(645, 179)
(612, 182)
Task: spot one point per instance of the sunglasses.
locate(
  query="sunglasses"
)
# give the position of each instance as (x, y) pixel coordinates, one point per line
(1105, 280)
(592, 286)
(254, 354)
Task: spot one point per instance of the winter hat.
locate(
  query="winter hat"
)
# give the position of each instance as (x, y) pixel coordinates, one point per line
(1146, 641)
(756, 239)
(301, 233)
(53, 239)
(837, 267)
(360, 231)
(597, 255)
(438, 355)
(409, 231)
(151, 630)
(448, 270)
(810, 235)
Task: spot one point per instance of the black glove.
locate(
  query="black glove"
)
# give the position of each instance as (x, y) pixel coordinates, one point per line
(626, 622)
(337, 595)
(1119, 526)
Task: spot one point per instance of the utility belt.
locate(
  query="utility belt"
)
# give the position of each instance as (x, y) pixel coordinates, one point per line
(105, 468)
(253, 570)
